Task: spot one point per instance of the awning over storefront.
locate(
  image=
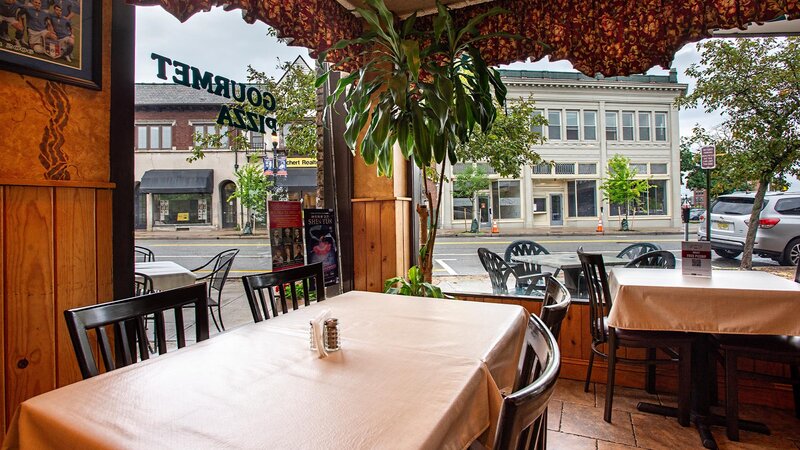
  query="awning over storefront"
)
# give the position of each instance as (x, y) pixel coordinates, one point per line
(299, 179)
(186, 181)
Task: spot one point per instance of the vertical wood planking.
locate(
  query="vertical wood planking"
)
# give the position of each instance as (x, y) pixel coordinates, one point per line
(359, 247)
(408, 258)
(373, 238)
(3, 422)
(30, 344)
(75, 275)
(104, 267)
(388, 233)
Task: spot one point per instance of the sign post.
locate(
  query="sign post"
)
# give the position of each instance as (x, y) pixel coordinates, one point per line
(708, 161)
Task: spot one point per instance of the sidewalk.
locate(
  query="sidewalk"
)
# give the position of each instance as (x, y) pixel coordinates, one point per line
(260, 233)
(551, 231)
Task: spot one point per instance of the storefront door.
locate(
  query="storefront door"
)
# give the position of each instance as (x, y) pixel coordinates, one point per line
(484, 204)
(556, 209)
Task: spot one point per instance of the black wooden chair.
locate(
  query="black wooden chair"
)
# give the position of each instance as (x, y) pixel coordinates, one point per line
(659, 259)
(523, 414)
(310, 278)
(499, 272)
(220, 268)
(634, 250)
(555, 305)
(594, 272)
(525, 248)
(126, 317)
(143, 254)
(142, 284)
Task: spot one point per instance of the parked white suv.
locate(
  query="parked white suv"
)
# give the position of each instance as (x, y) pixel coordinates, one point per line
(778, 235)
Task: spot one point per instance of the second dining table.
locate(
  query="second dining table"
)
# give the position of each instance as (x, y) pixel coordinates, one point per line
(166, 274)
(569, 264)
(411, 373)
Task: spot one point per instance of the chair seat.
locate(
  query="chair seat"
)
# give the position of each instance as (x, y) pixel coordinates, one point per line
(761, 345)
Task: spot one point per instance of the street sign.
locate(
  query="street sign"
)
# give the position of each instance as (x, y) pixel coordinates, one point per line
(708, 157)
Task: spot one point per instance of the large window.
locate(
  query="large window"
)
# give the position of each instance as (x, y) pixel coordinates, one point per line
(644, 126)
(153, 137)
(611, 126)
(212, 129)
(654, 202)
(256, 140)
(462, 208)
(582, 198)
(537, 128)
(627, 126)
(506, 199)
(181, 209)
(590, 125)
(573, 126)
(661, 126)
(554, 125)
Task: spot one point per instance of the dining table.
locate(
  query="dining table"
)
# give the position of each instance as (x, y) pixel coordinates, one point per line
(411, 373)
(569, 264)
(166, 274)
(727, 302)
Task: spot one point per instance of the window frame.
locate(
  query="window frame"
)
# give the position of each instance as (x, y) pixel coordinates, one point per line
(656, 128)
(647, 128)
(587, 126)
(494, 191)
(218, 130)
(164, 128)
(552, 125)
(576, 128)
(572, 199)
(538, 128)
(632, 126)
(615, 115)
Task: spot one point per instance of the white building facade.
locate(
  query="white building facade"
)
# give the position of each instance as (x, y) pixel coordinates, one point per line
(589, 121)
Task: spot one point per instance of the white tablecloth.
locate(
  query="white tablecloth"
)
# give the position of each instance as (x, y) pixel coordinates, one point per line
(166, 274)
(731, 301)
(412, 373)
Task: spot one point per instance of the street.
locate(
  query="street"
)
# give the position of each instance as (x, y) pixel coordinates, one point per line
(454, 255)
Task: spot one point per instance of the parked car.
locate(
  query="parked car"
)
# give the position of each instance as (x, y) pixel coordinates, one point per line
(695, 214)
(778, 234)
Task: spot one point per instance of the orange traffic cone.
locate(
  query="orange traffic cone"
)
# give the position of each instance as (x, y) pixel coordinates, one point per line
(599, 224)
(494, 226)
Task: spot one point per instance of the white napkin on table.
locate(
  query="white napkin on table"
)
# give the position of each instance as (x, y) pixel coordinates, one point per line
(317, 325)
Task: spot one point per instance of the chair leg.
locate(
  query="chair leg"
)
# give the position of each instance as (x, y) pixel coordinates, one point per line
(589, 371)
(685, 384)
(650, 374)
(731, 396)
(219, 312)
(612, 368)
(213, 318)
(713, 379)
(796, 388)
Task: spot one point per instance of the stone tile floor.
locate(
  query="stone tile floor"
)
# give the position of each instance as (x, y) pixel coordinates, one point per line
(576, 422)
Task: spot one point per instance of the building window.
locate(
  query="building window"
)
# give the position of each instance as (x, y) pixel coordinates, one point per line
(590, 125)
(486, 168)
(565, 168)
(539, 205)
(654, 201)
(644, 126)
(554, 125)
(542, 169)
(537, 128)
(506, 199)
(460, 167)
(627, 126)
(573, 126)
(587, 168)
(658, 169)
(153, 137)
(661, 126)
(611, 126)
(582, 198)
(640, 168)
(256, 141)
(213, 129)
(182, 209)
(462, 208)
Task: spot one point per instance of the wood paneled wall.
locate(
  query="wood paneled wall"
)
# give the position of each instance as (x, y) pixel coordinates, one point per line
(575, 345)
(57, 250)
(381, 241)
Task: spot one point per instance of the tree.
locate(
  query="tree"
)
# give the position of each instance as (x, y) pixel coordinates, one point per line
(756, 83)
(620, 186)
(470, 181)
(252, 189)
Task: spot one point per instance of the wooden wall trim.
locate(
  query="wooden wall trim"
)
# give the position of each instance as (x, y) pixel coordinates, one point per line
(380, 199)
(58, 183)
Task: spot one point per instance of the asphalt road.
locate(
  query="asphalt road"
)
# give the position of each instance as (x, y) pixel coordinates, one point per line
(453, 256)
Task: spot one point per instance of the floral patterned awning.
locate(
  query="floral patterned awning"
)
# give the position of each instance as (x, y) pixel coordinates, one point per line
(611, 37)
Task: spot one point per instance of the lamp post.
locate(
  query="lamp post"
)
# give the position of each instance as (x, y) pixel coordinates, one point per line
(274, 162)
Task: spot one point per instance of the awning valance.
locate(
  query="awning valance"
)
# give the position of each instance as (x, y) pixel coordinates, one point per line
(611, 37)
(299, 178)
(186, 181)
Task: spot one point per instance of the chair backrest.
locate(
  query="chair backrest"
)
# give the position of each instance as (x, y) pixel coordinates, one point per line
(634, 250)
(222, 266)
(127, 316)
(523, 414)
(594, 272)
(659, 259)
(555, 305)
(525, 248)
(255, 285)
(142, 284)
(143, 254)
(497, 268)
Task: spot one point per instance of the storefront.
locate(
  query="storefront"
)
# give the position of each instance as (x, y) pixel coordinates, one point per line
(179, 197)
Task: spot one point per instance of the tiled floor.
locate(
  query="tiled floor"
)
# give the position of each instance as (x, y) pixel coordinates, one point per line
(576, 422)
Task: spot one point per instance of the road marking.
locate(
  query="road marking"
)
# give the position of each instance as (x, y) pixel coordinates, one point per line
(161, 257)
(265, 244)
(446, 266)
(572, 241)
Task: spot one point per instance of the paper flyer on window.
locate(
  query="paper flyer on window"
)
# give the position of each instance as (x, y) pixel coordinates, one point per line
(321, 242)
(286, 235)
(696, 259)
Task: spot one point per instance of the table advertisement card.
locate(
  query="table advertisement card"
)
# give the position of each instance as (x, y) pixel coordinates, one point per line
(321, 242)
(286, 234)
(696, 259)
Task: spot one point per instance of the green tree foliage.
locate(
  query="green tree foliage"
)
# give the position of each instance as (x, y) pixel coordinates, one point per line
(470, 181)
(620, 186)
(253, 188)
(756, 84)
(508, 145)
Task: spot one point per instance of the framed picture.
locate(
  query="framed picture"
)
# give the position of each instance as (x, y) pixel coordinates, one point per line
(58, 40)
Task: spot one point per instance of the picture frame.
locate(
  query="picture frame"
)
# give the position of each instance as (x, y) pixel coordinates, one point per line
(58, 40)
